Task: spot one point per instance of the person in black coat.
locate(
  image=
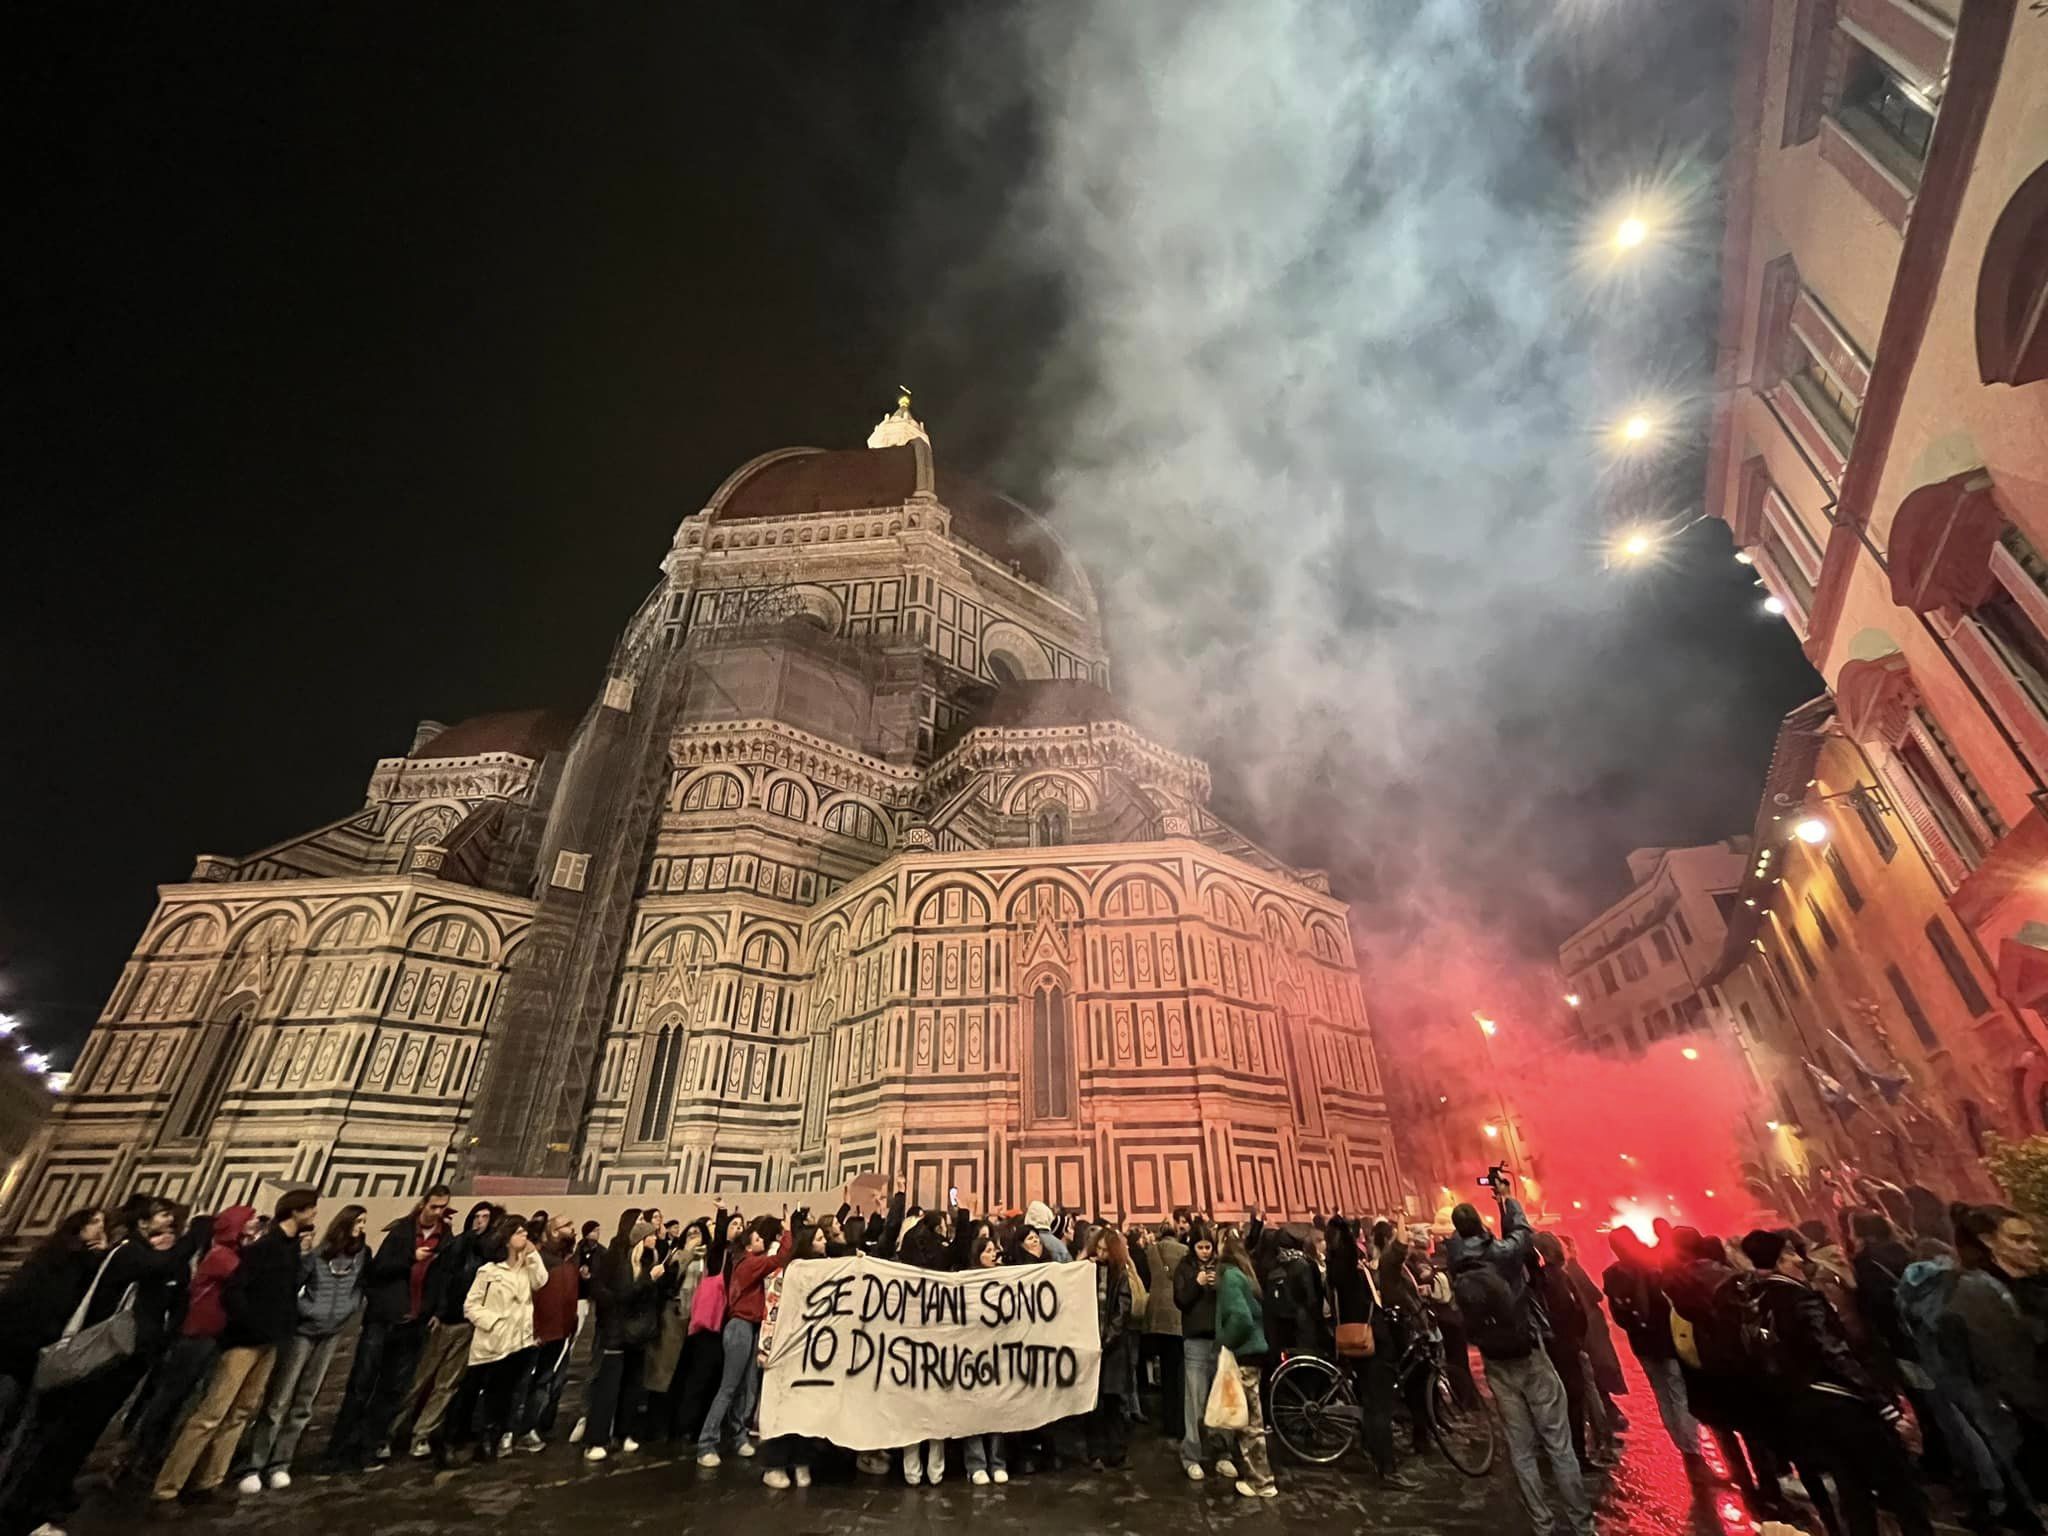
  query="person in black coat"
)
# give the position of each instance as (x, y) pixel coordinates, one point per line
(628, 1318)
(388, 1346)
(40, 1299)
(65, 1423)
(1354, 1298)
(444, 1348)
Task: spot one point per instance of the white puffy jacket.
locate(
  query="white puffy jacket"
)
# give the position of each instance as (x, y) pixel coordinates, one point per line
(500, 1307)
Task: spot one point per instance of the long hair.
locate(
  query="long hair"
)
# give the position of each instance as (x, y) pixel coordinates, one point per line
(341, 1240)
(1233, 1252)
(1110, 1241)
(67, 1239)
(628, 1219)
(496, 1242)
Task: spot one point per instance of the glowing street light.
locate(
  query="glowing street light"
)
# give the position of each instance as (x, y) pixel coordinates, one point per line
(1770, 1125)
(1811, 830)
(1487, 1026)
(1744, 557)
(1492, 1132)
(1774, 604)
(1630, 233)
(1690, 1053)
(1571, 999)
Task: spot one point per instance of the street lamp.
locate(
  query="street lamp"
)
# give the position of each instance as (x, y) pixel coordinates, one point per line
(1630, 233)
(1811, 830)
(1571, 999)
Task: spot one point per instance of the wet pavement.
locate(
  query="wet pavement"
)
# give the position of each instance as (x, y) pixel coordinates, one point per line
(660, 1487)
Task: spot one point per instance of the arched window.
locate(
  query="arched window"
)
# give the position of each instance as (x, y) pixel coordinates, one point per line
(206, 1077)
(1002, 669)
(1049, 826)
(659, 1103)
(1052, 1057)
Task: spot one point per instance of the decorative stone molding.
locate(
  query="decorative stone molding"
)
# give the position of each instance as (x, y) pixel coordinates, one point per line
(213, 866)
(490, 776)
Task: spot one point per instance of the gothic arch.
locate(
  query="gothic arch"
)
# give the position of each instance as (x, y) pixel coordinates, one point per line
(424, 824)
(650, 950)
(209, 1067)
(242, 929)
(1223, 903)
(977, 902)
(1029, 879)
(189, 932)
(1023, 652)
(1075, 792)
(819, 605)
(766, 947)
(330, 922)
(462, 921)
(787, 795)
(1139, 893)
(857, 817)
(1325, 941)
(877, 922)
(709, 789)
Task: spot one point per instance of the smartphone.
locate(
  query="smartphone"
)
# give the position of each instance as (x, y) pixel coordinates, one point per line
(953, 1195)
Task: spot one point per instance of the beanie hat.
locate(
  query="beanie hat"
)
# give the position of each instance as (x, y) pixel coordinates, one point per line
(642, 1230)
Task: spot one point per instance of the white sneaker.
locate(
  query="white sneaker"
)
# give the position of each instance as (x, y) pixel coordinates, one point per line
(775, 1477)
(745, 1449)
(1001, 1475)
(1195, 1472)
(421, 1450)
(384, 1451)
(253, 1483)
(912, 1473)
(505, 1442)
(629, 1445)
(708, 1459)
(935, 1475)
(979, 1479)
(596, 1453)
(576, 1434)
(803, 1477)
(531, 1441)
(280, 1478)
(1225, 1467)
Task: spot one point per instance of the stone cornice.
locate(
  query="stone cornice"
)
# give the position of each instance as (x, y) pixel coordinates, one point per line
(488, 776)
(1103, 744)
(769, 743)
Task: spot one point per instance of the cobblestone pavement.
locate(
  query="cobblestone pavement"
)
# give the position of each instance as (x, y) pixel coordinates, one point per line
(660, 1487)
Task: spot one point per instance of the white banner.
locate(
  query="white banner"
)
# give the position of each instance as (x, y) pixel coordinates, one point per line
(871, 1355)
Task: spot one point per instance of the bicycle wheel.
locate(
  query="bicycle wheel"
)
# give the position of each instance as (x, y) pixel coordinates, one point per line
(1464, 1435)
(1313, 1411)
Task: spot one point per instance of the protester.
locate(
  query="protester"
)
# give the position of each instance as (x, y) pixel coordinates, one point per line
(1490, 1277)
(538, 1397)
(702, 1366)
(261, 1302)
(1157, 1257)
(499, 1311)
(1038, 1217)
(1239, 1329)
(1355, 1299)
(986, 1461)
(1194, 1292)
(59, 1427)
(1113, 1314)
(787, 1458)
(444, 1351)
(1635, 1294)
(1603, 1365)
(2000, 1312)
(330, 1292)
(1565, 1340)
(683, 1263)
(627, 1321)
(39, 1299)
(394, 1326)
(1836, 1411)
(188, 1358)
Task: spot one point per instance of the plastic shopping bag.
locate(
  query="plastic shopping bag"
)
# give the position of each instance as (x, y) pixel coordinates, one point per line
(1227, 1408)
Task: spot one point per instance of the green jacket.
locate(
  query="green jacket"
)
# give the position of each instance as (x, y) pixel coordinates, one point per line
(1240, 1319)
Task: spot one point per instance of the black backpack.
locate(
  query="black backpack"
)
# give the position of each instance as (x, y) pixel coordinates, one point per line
(1495, 1321)
(1739, 1339)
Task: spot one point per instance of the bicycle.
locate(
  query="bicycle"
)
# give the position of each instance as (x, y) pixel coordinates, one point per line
(1317, 1417)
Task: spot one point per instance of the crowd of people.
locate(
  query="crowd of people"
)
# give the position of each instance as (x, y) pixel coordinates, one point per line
(210, 1340)
(1903, 1346)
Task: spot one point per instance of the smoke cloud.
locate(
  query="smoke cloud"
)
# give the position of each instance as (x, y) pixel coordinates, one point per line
(1311, 398)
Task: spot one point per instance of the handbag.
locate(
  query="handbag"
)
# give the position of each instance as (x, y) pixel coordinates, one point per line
(80, 1353)
(1355, 1341)
(1226, 1408)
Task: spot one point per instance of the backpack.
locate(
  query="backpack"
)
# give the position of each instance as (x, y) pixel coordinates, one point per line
(1281, 1303)
(1494, 1320)
(1733, 1338)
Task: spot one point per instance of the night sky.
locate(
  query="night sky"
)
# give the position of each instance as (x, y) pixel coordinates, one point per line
(365, 359)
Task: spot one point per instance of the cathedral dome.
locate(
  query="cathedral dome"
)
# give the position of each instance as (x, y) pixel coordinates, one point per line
(797, 482)
(530, 733)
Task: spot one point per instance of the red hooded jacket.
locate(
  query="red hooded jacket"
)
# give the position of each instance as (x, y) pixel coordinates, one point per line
(204, 1314)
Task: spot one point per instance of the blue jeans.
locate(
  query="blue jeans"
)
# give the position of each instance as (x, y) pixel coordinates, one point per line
(738, 1388)
(1198, 1374)
(1667, 1385)
(1532, 1406)
(984, 1453)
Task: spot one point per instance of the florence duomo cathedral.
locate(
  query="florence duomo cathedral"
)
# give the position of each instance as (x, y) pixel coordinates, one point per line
(852, 865)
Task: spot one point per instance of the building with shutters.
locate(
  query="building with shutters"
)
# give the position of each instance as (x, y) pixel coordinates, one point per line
(854, 864)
